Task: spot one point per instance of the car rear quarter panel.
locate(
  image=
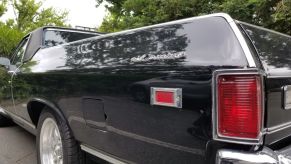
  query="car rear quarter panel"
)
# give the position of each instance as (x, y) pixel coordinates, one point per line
(102, 85)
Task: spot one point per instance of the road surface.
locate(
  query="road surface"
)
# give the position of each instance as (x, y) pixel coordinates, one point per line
(17, 146)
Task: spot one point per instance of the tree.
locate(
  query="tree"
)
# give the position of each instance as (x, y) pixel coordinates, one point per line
(29, 15)
(9, 38)
(135, 13)
(2, 7)
(125, 14)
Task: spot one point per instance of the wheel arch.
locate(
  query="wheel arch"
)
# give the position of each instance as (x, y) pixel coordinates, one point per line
(36, 105)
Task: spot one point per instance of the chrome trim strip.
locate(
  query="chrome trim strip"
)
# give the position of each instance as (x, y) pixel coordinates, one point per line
(265, 29)
(21, 120)
(72, 30)
(237, 140)
(277, 128)
(147, 139)
(3, 112)
(153, 141)
(102, 155)
(274, 77)
(243, 44)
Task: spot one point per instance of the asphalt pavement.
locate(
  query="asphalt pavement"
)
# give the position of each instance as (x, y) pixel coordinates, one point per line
(17, 146)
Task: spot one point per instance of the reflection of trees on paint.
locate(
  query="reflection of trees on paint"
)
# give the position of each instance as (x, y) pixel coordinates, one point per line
(4, 84)
(274, 49)
(26, 67)
(118, 50)
(54, 37)
(21, 87)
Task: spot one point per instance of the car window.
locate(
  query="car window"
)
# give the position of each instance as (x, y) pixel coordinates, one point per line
(20, 50)
(273, 47)
(55, 37)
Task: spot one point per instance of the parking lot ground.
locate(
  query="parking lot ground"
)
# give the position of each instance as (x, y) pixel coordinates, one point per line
(17, 146)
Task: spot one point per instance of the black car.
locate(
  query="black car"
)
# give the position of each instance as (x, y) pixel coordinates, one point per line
(207, 89)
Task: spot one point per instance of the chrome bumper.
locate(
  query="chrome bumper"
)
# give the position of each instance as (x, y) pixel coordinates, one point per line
(266, 156)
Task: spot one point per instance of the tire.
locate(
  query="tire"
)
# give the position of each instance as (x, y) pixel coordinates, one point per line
(54, 133)
(4, 121)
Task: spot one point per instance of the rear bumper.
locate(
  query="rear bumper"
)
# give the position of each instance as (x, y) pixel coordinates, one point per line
(266, 156)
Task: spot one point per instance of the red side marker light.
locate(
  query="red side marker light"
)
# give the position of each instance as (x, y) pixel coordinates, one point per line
(165, 97)
(171, 97)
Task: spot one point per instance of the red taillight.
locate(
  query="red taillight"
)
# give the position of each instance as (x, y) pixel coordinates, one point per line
(239, 106)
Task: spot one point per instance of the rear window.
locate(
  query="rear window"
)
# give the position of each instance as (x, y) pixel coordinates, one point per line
(274, 48)
(56, 37)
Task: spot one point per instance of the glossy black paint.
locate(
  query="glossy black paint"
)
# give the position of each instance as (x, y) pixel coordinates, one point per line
(101, 86)
(274, 52)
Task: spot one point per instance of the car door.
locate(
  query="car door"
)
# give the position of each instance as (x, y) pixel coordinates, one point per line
(19, 87)
(7, 74)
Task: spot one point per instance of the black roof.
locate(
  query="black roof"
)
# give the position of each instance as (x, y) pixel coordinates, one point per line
(36, 37)
(66, 28)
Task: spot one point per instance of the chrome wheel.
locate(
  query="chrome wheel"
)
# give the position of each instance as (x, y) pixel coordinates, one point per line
(51, 148)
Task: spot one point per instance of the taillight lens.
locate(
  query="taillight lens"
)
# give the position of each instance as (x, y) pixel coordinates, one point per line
(239, 106)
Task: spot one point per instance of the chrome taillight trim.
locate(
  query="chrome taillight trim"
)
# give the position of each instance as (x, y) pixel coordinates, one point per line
(238, 140)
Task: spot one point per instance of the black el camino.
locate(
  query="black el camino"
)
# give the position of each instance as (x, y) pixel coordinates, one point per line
(207, 89)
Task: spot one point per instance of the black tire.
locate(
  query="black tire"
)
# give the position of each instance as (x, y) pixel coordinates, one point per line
(72, 153)
(4, 121)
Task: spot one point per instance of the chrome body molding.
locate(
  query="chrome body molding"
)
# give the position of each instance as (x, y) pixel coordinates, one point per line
(71, 30)
(262, 28)
(238, 140)
(275, 77)
(103, 155)
(20, 120)
(277, 128)
(243, 44)
(265, 156)
(3, 112)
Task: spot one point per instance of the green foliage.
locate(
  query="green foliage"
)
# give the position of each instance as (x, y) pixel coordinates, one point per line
(9, 38)
(282, 17)
(29, 16)
(136, 13)
(3, 7)
(125, 14)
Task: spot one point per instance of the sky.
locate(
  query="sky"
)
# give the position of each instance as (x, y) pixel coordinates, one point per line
(81, 13)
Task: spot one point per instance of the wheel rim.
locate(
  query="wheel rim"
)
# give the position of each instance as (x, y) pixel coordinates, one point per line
(51, 148)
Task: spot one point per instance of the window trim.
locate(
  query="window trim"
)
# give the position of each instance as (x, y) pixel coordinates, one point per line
(27, 37)
(65, 30)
